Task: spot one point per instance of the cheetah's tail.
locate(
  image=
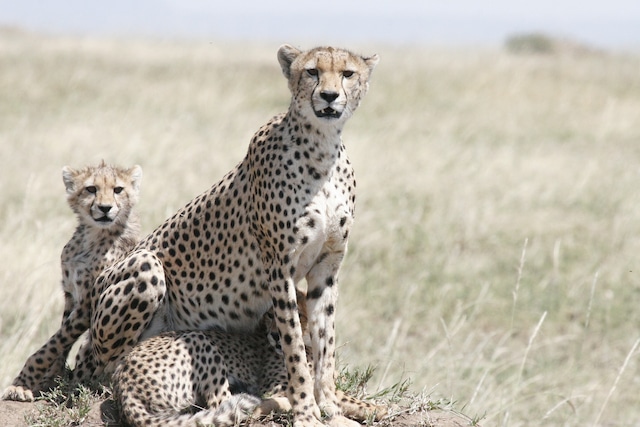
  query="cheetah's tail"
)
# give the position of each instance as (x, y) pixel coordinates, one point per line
(231, 412)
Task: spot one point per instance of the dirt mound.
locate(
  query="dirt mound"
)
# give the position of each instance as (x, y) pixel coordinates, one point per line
(104, 413)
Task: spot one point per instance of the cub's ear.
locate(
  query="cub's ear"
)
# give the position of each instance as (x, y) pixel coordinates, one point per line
(286, 55)
(135, 173)
(68, 177)
(372, 61)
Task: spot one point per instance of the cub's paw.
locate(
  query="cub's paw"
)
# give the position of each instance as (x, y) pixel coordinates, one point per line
(307, 421)
(19, 393)
(340, 421)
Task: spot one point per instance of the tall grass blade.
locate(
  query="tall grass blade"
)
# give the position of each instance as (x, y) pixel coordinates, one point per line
(517, 289)
(617, 380)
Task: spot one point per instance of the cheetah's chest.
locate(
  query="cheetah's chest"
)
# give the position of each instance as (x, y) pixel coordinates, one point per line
(325, 229)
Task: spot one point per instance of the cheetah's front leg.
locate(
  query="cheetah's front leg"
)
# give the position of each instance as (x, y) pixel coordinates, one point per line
(322, 296)
(48, 362)
(306, 412)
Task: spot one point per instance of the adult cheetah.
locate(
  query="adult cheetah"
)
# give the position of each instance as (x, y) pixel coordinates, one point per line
(283, 214)
(102, 198)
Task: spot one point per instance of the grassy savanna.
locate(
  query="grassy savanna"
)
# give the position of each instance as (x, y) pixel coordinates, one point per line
(495, 260)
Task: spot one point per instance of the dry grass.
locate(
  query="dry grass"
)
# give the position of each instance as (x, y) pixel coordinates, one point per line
(495, 256)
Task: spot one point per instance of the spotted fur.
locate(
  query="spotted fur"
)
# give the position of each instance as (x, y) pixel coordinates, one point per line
(211, 377)
(102, 197)
(283, 214)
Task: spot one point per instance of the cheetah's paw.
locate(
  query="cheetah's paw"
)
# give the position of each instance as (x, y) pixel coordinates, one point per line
(309, 423)
(340, 421)
(19, 393)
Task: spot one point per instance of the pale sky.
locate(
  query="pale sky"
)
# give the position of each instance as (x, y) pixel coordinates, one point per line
(610, 23)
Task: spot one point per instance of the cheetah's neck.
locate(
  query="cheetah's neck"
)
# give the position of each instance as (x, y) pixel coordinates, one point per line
(126, 234)
(315, 144)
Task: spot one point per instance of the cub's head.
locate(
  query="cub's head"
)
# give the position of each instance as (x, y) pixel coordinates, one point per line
(102, 195)
(326, 83)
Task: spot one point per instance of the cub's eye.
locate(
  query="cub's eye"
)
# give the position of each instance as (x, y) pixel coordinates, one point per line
(118, 190)
(312, 72)
(91, 189)
(347, 73)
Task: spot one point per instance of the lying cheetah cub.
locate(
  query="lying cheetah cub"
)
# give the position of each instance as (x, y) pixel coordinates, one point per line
(102, 197)
(212, 377)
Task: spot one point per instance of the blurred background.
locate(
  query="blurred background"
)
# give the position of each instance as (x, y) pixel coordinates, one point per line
(611, 24)
(494, 259)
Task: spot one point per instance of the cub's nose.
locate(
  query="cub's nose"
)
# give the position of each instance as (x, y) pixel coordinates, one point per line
(104, 208)
(328, 96)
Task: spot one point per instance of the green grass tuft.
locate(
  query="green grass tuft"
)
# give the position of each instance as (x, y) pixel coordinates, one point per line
(64, 405)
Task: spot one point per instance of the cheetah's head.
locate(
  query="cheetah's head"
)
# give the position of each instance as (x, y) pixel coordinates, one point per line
(326, 82)
(102, 195)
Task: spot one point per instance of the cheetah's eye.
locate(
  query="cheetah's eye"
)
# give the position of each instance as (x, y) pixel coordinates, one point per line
(118, 190)
(312, 72)
(91, 189)
(347, 73)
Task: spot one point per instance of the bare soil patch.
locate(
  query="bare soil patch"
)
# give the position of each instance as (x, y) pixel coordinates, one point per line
(104, 413)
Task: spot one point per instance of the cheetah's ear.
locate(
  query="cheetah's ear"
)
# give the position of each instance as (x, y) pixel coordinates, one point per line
(372, 61)
(286, 55)
(136, 177)
(68, 177)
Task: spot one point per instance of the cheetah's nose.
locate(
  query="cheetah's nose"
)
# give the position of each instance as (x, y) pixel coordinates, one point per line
(104, 208)
(328, 96)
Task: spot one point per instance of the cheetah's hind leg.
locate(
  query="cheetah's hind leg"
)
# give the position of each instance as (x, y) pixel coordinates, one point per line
(134, 289)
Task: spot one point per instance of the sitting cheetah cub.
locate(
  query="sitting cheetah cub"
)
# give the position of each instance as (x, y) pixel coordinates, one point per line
(102, 198)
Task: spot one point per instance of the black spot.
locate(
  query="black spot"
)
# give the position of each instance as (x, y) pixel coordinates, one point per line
(118, 343)
(105, 320)
(315, 293)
